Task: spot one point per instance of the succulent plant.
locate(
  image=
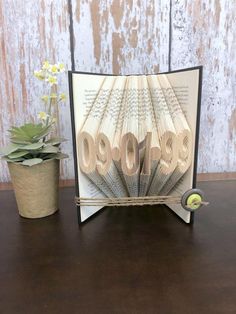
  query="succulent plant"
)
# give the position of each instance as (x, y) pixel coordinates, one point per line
(30, 145)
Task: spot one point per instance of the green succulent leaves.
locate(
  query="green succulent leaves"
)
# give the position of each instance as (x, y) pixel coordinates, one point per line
(29, 133)
(34, 146)
(29, 147)
(11, 148)
(32, 162)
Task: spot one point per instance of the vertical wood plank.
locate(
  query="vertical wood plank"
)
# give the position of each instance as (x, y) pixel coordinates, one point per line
(204, 33)
(31, 32)
(121, 37)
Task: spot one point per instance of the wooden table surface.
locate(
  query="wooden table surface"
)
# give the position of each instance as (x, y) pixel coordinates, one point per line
(124, 260)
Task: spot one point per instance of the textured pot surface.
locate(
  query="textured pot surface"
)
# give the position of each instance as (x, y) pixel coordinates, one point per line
(36, 188)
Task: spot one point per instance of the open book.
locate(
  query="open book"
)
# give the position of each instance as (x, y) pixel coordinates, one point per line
(135, 135)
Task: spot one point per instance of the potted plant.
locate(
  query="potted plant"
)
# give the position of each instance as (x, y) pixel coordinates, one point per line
(33, 155)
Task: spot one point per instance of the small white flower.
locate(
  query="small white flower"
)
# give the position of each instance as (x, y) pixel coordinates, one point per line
(42, 115)
(61, 67)
(52, 80)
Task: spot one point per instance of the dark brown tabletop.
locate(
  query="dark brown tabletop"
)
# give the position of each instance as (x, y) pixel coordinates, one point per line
(124, 260)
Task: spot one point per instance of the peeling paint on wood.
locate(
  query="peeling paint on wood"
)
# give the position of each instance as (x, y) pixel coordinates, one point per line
(30, 32)
(204, 33)
(122, 36)
(118, 36)
(232, 126)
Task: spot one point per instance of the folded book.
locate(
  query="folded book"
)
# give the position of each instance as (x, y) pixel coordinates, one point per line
(135, 135)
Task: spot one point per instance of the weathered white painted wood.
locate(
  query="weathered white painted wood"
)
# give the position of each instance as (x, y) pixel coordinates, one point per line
(121, 37)
(118, 36)
(204, 33)
(30, 32)
(110, 36)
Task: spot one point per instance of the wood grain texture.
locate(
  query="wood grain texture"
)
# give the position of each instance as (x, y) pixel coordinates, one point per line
(204, 32)
(124, 260)
(121, 37)
(30, 32)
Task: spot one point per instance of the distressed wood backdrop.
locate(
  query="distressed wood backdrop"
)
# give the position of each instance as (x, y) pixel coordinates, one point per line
(118, 36)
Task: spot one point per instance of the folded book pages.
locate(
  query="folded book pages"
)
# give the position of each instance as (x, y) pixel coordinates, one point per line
(135, 135)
